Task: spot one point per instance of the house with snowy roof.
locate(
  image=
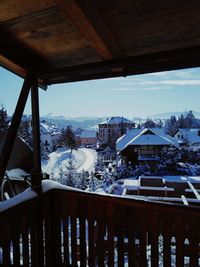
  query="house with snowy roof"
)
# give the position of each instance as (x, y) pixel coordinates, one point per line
(143, 145)
(190, 137)
(88, 137)
(111, 129)
(49, 135)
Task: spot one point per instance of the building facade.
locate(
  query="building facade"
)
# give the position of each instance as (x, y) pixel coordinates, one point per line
(88, 138)
(112, 129)
(143, 145)
(188, 137)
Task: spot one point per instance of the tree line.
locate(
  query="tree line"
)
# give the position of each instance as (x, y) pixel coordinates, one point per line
(67, 136)
(185, 121)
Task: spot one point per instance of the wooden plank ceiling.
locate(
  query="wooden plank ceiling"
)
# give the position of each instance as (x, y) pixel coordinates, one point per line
(74, 40)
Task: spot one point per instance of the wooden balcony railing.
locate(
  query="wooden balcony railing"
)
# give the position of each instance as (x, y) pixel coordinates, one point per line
(72, 228)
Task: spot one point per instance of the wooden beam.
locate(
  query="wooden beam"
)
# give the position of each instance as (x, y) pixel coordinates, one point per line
(90, 24)
(155, 62)
(36, 175)
(12, 131)
(18, 53)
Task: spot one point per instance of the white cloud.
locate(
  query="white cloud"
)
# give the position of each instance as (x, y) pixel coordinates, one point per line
(159, 74)
(172, 82)
(156, 88)
(141, 89)
(124, 89)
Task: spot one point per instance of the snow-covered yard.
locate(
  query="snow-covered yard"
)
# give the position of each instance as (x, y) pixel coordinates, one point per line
(83, 159)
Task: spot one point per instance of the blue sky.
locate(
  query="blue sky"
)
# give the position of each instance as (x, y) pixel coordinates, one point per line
(133, 96)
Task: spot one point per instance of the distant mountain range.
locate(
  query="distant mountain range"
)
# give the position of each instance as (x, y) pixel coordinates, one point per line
(92, 122)
(167, 115)
(82, 122)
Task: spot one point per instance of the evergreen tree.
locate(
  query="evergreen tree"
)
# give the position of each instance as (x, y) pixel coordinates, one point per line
(189, 119)
(4, 121)
(25, 131)
(149, 124)
(61, 140)
(70, 138)
(171, 125)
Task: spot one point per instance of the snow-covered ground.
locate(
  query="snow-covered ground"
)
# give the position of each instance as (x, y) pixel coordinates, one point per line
(90, 158)
(83, 158)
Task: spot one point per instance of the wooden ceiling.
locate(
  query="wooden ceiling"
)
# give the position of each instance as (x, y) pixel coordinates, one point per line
(74, 40)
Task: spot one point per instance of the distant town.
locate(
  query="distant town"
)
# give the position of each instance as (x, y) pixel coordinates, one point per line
(117, 155)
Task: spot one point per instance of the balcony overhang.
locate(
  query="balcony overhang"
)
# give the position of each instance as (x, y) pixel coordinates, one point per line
(67, 41)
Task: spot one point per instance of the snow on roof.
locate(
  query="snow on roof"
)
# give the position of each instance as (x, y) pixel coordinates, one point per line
(116, 120)
(88, 134)
(190, 135)
(145, 137)
(124, 139)
(48, 128)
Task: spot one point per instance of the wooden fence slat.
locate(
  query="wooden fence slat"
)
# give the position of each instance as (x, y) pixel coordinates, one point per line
(16, 250)
(132, 256)
(74, 240)
(194, 242)
(6, 254)
(92, 242)
(82, 243)
(66, 240)
(25, 247)
(167, 226)
(143, 248)
(180, 236)
(100, 243)
(143, 239)
(154, 234)
(167, 249)
(57, 242)
(120, 246)
(110, 244)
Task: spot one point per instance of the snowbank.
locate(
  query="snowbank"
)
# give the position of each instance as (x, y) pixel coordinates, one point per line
(28, 194)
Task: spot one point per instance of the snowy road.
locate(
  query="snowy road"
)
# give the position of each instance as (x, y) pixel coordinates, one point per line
(89, 161)
(84, 159)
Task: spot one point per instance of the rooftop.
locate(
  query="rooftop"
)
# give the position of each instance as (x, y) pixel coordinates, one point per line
(116, 120)
(145, 137)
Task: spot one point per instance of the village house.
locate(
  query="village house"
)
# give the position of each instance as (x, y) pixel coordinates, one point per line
(77, 133)
(112, 129)
(190, 137)
(142, 146)
(88, 138)
(49, 136)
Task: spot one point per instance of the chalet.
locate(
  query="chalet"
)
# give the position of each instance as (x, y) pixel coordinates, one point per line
(143, 145)
(112, 129)
(50, 42)
(189, 137)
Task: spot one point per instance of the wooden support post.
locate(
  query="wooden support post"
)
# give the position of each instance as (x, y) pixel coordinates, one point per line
(12, 131)
(36, 176)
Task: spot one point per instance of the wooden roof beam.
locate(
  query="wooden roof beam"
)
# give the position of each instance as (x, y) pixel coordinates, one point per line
(161, 61)
(86, 18)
